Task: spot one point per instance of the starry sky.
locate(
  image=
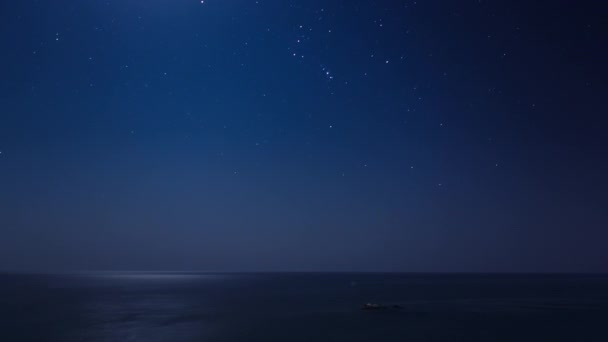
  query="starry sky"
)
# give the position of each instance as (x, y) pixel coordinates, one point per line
(304, 135)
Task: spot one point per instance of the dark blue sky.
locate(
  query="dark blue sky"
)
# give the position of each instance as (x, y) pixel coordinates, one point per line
(303, 135)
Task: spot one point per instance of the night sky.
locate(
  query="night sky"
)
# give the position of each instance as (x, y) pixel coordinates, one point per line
(304, 135)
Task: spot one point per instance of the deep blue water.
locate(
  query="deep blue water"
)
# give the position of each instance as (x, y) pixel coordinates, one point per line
(302, 307)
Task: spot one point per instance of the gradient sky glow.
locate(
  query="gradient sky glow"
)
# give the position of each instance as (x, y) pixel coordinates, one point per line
(303, 135)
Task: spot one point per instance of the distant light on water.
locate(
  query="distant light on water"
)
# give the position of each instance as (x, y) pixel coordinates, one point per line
(167, 276)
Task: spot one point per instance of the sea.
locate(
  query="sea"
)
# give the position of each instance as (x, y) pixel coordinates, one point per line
(145, 306)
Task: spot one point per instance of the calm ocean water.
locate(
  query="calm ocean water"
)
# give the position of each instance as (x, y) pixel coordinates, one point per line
(302, 307)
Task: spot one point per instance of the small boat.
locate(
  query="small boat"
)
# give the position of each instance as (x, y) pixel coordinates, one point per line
(376, 306)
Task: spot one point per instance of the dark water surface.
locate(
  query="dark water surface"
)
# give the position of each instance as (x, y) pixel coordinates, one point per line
(302, 307)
